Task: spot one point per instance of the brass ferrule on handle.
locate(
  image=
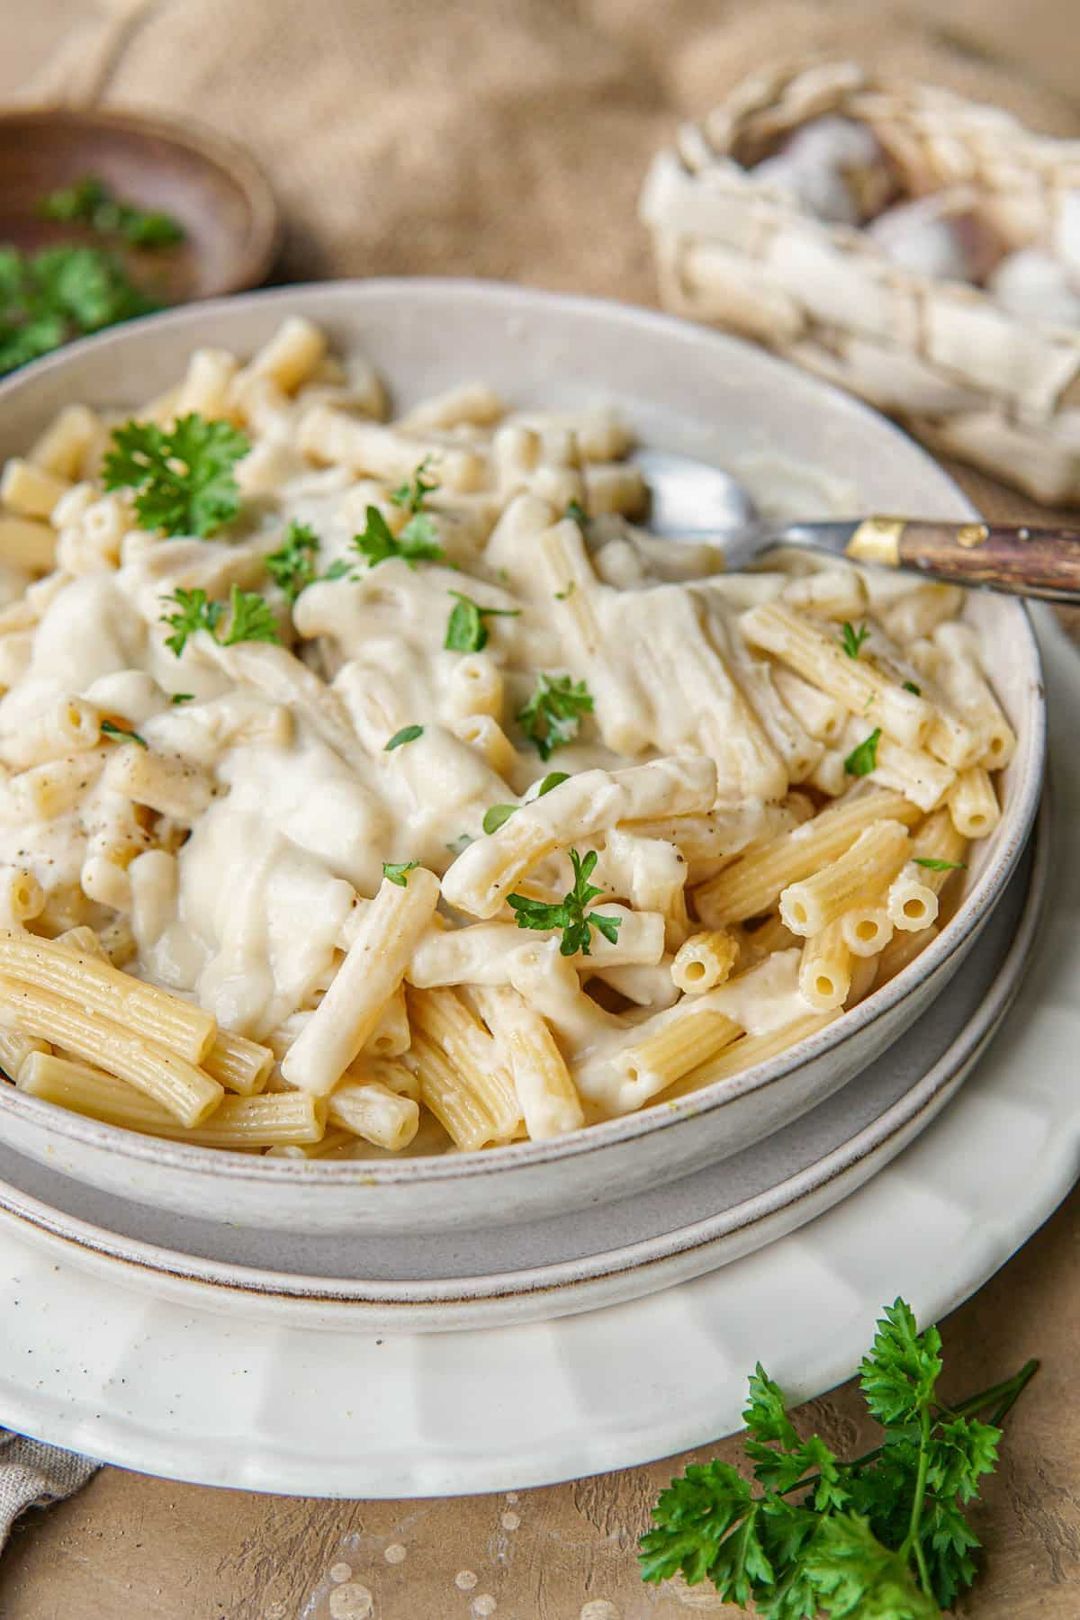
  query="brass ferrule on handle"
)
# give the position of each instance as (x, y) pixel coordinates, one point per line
(1024, 560)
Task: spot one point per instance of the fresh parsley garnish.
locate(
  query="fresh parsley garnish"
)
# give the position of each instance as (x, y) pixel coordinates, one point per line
(934, 864)
(863, 758)
(182, 697)
(909, 686)
(413, 493)
(292, 565)
(121, 734)
(577, 514)
(416, 542)
(183, 477)
(552, 716)
(570, 914)
(882, 1537)
(851, 639)
(498, 813)
(407, 734)
(51, 297)
(339, 569)
(398, 872)
(250, 617)
(90, 202)
(465, 628)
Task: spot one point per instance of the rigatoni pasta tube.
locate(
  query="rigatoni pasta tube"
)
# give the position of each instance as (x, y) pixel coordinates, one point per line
(870, 863)
(446, 1091)
(825, 969)
(483, 953)
(973, 804)
(184, 1090)
(237, 1122)
(938, 849)
(96, 987)
(745, 1052)
(369, 1109)
(751, 886)
(911, 904)
(373, 968)
(240, 1065)
(451, 1026)
(670, 1046)
(866, 929)
(547, 1094)
(704, 961)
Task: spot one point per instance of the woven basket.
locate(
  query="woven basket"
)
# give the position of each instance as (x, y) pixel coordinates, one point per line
(967, 376)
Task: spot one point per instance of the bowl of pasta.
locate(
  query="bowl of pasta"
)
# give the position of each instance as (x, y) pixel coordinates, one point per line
(396, 836)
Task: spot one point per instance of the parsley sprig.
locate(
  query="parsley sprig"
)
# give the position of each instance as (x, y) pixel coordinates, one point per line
(414, 492)
(61, 293)
(552, 716)
(465, 628)
(183, 477)
(417, 541)
(496, 814)
(251, 617)
(851, 639)
(116, 733)
(933, 863)
(863, 757)
(398, 872)
(91, 202)
(292, 565)
(883, 1537)
(570, 914)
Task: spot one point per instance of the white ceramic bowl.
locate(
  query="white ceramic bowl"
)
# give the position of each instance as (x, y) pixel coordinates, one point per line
(683, 389)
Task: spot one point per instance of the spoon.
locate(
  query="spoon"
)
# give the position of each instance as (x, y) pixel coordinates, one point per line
(691, 500)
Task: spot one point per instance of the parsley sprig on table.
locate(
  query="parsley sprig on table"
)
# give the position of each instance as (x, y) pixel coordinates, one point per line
(570, 914)
(61, 293)
(292, 565)
(183, 477)
(251, 617)
(465, 628)
(552, 716)
(883, 1537)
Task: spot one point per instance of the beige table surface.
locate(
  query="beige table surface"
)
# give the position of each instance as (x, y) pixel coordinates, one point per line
(507, 137)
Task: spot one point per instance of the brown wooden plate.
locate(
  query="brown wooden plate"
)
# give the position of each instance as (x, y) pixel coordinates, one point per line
(213, 188)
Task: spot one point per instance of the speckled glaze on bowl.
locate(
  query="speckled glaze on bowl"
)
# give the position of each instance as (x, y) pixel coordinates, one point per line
(683, 389)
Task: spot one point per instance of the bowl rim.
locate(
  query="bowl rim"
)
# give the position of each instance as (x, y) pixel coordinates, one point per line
(257, 247)
(657, 1116)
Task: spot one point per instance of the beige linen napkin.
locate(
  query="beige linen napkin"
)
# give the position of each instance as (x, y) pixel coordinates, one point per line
(33, 1474)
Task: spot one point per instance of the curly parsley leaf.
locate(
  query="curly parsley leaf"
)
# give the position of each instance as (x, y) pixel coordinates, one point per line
(183, 477)
(250, 617)
(292, 565)
(407, 734)
(90, 202)
(413, 493)
(851, 639)
(192, 611)
(465, 628)
(934, 864)
(570, 914)
(916, 691)
(416, 542)
(398, 871)
(498, 813)
(882, 1537)
(577, 514)
(61, 293)
(552, 716)
(863, 758)
(122, 734)
(182, 697)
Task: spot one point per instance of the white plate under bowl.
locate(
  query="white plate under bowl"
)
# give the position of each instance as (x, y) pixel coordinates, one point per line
(602, 1256)
(178, 1390)
(682, 389)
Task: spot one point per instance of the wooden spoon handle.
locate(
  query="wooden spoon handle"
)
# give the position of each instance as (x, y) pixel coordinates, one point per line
(1025, 561)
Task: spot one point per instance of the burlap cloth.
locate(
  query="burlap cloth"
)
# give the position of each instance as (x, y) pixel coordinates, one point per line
(480, 137)
(485, 137)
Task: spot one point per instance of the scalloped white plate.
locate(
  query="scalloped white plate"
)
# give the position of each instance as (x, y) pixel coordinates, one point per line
(191, 1394)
